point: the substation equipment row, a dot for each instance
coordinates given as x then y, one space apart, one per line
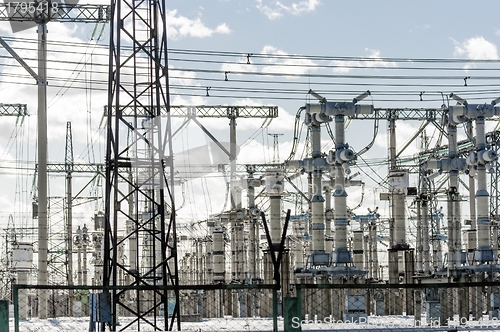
331 245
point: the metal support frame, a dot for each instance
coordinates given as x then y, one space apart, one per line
138 40
68 160
493 139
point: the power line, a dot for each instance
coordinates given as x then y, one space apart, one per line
347 66
254 55
336 76
299 91
265 70
321 83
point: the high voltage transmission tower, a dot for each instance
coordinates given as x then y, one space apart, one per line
276 149
68 161
139 173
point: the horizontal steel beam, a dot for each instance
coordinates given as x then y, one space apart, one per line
13 110
217 111
76 168
419 114
99 168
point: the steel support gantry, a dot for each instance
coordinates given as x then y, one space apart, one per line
19 110
202 111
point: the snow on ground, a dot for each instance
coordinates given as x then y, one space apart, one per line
372 324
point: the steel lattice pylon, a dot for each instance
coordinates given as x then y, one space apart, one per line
493 139
140 239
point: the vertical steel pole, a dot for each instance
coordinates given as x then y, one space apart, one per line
275 309
42 169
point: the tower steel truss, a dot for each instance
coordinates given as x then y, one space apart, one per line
140 240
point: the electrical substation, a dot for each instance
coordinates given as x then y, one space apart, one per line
299 239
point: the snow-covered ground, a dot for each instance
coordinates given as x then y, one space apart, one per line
70 324
372 324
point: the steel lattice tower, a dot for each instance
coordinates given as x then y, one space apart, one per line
493 139
140 239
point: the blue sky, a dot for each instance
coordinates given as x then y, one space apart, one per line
369 33
423 29
373 35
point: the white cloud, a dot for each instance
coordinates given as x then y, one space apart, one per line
241 66
373 60
284 123
278 62
476 48
181 26
300 7
285 63
404 131
277 9
271 13
223 29
191 100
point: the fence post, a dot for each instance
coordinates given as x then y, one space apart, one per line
15 298
292 314
275 309
4 315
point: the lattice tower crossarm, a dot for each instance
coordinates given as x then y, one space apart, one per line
99 168
405 114
13 110
200 111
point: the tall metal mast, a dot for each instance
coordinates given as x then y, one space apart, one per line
138 42
276 151
68 161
